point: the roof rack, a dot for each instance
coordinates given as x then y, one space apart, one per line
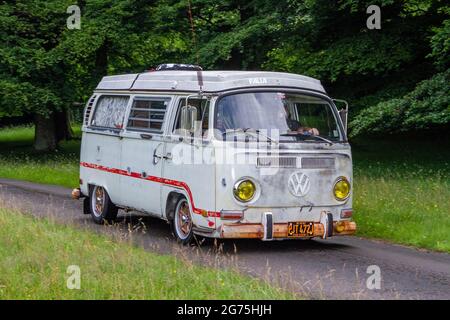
178 67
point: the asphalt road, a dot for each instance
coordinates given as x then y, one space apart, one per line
334 268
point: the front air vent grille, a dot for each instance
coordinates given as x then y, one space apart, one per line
277 162
318 163
291 162
88 110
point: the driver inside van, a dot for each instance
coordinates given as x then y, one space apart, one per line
295 126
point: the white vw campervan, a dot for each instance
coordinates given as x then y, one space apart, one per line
224 154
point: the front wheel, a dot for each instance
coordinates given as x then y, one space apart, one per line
101 207
182 225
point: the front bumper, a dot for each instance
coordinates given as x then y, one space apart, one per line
280 230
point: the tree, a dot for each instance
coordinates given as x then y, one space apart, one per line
370 68
45 67
31 72
426 107
237 34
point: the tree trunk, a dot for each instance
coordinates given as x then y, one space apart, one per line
62 126
236 61
51 129
44 133
101 59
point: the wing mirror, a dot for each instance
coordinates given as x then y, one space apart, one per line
343 112
188 118
190 125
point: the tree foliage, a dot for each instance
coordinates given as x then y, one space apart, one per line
426 107
395 78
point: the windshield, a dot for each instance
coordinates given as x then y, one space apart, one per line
283 116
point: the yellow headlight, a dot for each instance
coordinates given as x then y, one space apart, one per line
244 190
341 189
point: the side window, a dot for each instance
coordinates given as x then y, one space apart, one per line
148 114
202 113
110 112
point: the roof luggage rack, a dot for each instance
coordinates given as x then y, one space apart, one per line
178 67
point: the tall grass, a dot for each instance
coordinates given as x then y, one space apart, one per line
35 255
402 191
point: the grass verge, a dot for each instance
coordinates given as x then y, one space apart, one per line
402 192
35 254
18 160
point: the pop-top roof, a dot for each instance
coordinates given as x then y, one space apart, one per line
213 81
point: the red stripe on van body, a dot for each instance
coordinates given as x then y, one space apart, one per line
170 182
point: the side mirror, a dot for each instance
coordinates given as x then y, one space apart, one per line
343 113
189 124
188 118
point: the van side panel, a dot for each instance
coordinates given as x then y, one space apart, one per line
195 182
100 150
142 192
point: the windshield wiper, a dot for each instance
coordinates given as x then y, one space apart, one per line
246 131
259 133
307 136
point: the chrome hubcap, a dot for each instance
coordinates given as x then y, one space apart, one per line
98 201
183 221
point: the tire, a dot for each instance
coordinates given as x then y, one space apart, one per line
101 208
182 224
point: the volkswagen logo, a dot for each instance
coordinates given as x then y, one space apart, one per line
299 184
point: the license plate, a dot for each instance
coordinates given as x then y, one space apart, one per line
300 229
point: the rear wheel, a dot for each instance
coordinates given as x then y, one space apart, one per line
182 225
101 207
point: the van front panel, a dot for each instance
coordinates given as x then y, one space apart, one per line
274 193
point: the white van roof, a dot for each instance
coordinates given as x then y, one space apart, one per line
213 81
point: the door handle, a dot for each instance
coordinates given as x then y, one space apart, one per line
155 157
168 156
146 136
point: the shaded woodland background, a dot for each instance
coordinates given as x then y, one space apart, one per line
396 79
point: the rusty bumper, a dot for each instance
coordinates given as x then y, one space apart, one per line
280 230
76 193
